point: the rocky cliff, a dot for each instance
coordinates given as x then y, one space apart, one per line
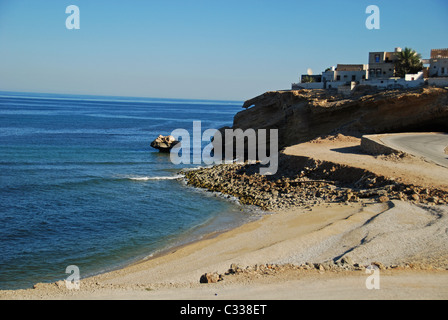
303 115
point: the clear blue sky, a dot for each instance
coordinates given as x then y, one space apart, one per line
230 50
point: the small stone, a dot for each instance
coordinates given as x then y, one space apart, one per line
358 266
210 278
348 196
379 265
347 261
234 268
39 285
320 267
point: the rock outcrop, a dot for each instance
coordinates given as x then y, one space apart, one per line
304 182
164 143
303 115
343 264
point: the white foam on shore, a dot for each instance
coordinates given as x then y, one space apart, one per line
156 178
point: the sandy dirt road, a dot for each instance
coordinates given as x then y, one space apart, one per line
428 146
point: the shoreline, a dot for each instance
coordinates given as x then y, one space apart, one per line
287 250
304 244
183 240
179 241
191 241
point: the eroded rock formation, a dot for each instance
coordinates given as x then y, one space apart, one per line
303 115
164 143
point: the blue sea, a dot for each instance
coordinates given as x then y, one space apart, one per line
80 184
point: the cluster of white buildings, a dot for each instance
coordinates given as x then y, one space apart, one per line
379 73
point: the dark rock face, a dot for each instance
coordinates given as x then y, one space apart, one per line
164 143
303 115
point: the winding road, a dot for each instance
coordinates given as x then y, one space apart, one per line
430 146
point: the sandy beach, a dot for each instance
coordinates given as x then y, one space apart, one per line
313 252
393 234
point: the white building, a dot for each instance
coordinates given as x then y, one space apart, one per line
413 77
344 74
378 73
382 64
438 64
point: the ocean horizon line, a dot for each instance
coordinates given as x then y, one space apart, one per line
92 97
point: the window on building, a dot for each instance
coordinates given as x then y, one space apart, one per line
377 58
338 78
378 72
443 70
353 78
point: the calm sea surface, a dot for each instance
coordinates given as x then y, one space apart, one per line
80 184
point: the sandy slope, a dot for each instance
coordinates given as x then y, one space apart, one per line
391 233
347 151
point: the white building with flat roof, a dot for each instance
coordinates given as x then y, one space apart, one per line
346 73
438 64
382 64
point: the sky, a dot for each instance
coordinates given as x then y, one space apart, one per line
196 49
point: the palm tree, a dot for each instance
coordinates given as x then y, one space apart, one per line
308 79
408 62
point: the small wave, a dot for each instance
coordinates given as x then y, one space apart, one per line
156 178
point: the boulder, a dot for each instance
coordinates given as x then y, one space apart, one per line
164 143
210 278
345 261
